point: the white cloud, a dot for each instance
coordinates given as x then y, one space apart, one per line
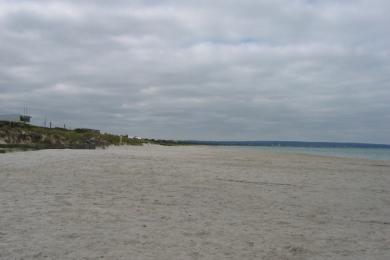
307 70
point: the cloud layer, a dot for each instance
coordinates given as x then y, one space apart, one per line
239 70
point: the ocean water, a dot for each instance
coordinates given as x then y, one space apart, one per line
367 153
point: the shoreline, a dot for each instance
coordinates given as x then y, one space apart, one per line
357 153
306 151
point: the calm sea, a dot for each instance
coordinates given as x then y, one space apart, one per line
367 153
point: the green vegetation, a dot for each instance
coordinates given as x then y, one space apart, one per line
26 137
162 142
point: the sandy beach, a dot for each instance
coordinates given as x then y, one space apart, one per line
156 202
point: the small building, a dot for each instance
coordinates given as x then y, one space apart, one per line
15 118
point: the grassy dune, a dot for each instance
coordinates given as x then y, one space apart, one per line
24 136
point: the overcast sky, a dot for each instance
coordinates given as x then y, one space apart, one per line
315 70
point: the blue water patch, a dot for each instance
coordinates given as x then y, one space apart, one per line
353 150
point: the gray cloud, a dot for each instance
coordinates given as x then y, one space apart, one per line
243 70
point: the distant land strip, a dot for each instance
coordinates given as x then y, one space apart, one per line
289 144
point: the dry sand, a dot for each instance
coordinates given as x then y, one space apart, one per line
156 202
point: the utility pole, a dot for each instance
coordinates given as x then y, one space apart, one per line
25 110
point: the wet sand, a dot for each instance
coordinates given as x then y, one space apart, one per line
157 202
